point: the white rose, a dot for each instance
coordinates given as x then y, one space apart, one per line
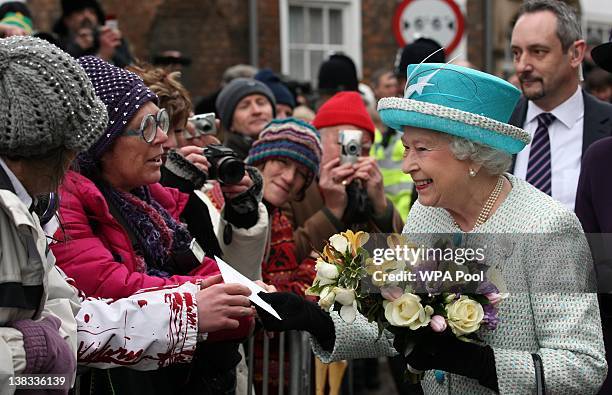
326 272
407 310
464 315
327 298
339 242
344 296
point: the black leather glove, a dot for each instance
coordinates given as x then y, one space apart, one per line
443 351
300 314
243 210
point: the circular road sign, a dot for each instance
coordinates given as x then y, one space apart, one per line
440 20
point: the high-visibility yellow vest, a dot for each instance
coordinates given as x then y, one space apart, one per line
398 185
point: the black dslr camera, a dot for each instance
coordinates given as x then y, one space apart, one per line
225 165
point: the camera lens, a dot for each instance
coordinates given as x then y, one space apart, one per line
231 170
206 126
352 148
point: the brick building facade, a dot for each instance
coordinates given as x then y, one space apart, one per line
215 33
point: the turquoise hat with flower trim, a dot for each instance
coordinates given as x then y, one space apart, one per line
460 101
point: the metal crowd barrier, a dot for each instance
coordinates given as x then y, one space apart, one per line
300 362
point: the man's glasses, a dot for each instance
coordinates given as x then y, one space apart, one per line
149 125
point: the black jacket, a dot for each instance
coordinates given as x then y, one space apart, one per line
597 119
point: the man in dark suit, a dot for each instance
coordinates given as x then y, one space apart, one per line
562 119
594 211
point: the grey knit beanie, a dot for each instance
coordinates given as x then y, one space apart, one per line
233 92
46 100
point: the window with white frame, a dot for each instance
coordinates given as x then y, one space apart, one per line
598 30
312 30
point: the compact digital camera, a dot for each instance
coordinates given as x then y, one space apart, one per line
350 141
225 165
204 123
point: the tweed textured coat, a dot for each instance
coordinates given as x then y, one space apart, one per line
546 267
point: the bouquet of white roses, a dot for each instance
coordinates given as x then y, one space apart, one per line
404 296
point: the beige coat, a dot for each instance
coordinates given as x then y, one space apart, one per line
141 328
23 260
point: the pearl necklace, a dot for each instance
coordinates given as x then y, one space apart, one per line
488 206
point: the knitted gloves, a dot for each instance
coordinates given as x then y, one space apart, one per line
46 350
180 173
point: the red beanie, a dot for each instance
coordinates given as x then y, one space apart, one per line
344 108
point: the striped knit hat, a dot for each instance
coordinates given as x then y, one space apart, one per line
288 138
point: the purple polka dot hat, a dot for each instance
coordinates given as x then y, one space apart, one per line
121 91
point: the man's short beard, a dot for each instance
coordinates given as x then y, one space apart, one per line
534 96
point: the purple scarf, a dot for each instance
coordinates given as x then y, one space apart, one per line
159 237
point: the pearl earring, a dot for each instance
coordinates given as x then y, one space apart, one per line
472 173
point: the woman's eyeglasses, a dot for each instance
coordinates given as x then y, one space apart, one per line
149 125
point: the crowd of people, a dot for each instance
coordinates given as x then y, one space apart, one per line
117 191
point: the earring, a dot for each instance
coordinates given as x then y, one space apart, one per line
472 173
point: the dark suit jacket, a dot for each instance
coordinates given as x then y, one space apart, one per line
597 119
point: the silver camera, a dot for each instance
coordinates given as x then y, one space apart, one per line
204 123
350 141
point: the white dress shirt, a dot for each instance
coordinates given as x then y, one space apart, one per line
565 134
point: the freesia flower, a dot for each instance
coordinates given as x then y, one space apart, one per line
438 323
490 316
330 255
486 287
494 298
339 242
327 298
391 293
355 240
399 240
344 296
326 272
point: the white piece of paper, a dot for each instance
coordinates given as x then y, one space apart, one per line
233 276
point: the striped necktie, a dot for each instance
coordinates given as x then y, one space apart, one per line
539 166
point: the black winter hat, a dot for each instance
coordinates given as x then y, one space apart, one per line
338 73
602 55
71 6
416 52
282 94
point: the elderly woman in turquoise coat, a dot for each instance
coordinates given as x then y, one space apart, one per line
458 148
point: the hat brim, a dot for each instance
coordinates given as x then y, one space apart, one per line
398 112
602 56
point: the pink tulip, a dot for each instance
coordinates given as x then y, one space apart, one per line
438 323
494 298
391 293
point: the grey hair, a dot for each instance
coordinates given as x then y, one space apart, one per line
238 71
494 161
378 75
568 26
